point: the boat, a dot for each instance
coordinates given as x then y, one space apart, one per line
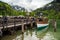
42 26
42 23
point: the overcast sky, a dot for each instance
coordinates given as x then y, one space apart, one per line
28 4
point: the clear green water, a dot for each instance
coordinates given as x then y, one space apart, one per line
32 34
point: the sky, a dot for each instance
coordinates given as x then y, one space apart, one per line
28 4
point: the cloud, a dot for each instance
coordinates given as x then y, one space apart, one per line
28 4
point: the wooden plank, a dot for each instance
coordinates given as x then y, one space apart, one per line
13 25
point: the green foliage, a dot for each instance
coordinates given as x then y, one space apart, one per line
52 12
32 13
6 9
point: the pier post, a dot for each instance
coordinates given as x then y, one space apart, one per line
15 23
0 32
54 24
22 26
55 27
31 23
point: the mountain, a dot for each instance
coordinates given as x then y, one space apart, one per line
53 5
16 7
51 10
56 1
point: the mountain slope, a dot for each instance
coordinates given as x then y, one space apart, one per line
16 7
6 9
51 10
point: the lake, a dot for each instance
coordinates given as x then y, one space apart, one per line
31 34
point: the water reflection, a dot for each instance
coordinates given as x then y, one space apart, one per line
35 35
49 36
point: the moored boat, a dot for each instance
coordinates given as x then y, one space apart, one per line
42 23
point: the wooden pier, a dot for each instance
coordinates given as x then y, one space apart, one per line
13 23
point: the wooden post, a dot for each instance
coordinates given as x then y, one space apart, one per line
54 24
0 32
55 27
31 22
14 22
22 26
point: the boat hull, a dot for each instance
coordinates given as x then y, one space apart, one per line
41 26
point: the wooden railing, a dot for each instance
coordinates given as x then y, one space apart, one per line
13 21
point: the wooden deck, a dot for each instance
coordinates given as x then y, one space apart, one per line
9 26
13 22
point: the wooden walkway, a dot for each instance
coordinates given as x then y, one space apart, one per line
14 22
9 26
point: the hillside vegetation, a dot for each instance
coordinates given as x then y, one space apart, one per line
6 9
51 10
